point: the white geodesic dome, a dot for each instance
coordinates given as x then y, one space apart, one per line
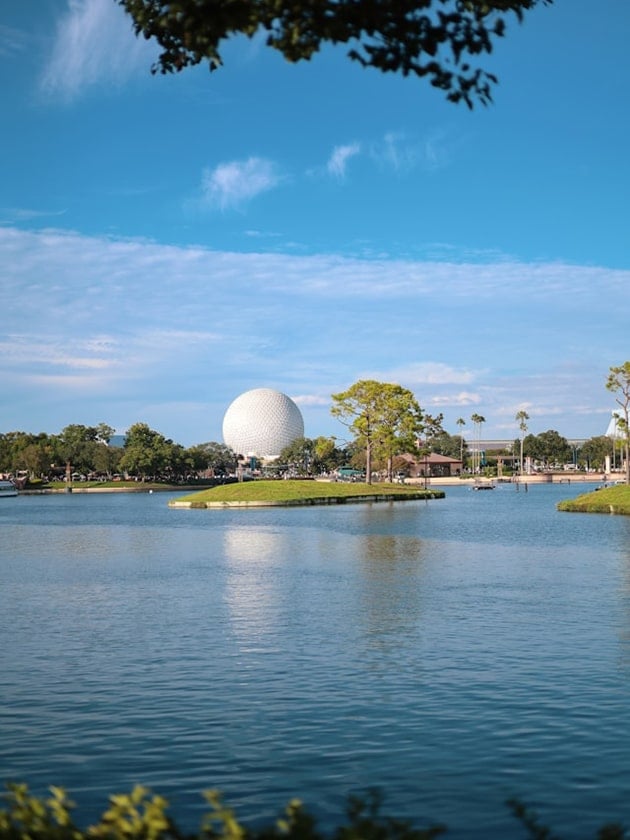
261 423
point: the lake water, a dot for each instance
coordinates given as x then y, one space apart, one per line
452 653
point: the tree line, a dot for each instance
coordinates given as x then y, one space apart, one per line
86 451
384 421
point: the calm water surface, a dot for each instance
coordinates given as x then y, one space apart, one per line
452 653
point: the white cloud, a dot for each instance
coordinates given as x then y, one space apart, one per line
462 398
311 399
19 350
338 161
432 373
131 321
94 45
402 154
234 183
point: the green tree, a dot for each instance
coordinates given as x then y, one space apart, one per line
326 455
548 447
104 433
435 39
76 447
147 452
594 451
22 451
444 444
36 458
385 419
298 455
521 418
359 408
402 423
212 456
619 383
107 458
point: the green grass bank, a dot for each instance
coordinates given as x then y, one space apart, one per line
299 492
607 500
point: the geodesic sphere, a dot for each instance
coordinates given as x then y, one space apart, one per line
261 423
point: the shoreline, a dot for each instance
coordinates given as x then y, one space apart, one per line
311 501
428 483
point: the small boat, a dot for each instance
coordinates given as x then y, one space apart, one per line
483 485
7 488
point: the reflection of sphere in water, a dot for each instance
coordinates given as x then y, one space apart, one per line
261 423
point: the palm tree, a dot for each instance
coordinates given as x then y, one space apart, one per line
478 421
522 417
461 423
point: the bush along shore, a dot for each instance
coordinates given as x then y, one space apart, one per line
142 815
605 500
287 493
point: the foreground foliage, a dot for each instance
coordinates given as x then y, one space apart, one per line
301 490
142 815
607 500
435 39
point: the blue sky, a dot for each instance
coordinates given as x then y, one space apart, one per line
167 243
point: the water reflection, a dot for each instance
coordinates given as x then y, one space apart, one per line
624 560
250 591
392 586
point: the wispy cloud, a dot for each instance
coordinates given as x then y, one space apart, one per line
461 398
396 152
234 183
401 153
338 161
434 373
94 45
311 400
12 41
10 215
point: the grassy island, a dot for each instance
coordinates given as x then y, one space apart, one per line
607 500
300 492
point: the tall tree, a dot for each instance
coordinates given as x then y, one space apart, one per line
212 456
146 452
477 420
76 444
359 408
403 422
383 418
435 39
521 418
619 383
461 423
